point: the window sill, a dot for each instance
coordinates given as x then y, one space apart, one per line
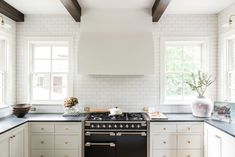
4 106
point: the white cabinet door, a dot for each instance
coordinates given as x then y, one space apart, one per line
214 144
4 147
228 146
17 144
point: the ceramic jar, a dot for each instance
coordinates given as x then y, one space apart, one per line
202 106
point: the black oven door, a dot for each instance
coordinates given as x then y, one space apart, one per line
131 144
100 144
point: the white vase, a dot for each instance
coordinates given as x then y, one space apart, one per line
202 106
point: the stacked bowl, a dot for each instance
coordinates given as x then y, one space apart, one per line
20 110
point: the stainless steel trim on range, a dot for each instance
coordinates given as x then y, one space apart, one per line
131 133
88 133
88 144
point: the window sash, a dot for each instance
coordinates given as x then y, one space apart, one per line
184 98
50 73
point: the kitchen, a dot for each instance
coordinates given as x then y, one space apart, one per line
54 49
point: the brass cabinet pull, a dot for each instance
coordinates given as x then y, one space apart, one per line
217 136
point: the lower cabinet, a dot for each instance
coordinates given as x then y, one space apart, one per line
14 143
176 139
56 139
218 143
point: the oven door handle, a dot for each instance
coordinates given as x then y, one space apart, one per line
88 144
88 133
131 133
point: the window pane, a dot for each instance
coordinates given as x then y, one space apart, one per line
2 55
1 96
1 80
40 87
60 65
42 65
59 93
59 80
192 58
173 58
173 86
188 93
42 52
59 52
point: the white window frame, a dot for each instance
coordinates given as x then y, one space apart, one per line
226 67
4 72
204 61
30 41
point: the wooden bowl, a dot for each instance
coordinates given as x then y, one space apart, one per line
20 110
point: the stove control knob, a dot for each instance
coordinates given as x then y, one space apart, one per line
115 126
132 126
104 126
98 126
127 126
121 126
109 126
138 126
92 126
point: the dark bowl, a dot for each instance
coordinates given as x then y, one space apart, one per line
20 110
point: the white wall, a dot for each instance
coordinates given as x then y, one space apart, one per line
130 93
10 35
222 34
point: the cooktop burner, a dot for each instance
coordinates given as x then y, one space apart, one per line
123 117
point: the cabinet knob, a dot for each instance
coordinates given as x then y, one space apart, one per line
217 136
66 142
66 156
164 128
66 129
188 156
164 142
164 156
41 156
189 129
188 142
42 142
42 129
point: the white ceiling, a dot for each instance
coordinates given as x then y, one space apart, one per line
175 7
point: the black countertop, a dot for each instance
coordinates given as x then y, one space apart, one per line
10 122
179 117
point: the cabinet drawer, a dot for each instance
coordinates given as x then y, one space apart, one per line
42 142
42 153
189 141
164 153
189 153
189 128
162 128
68 128
42 128
66 153
164 141
67 142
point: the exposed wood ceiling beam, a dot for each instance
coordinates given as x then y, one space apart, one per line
158 9
11 12
73 8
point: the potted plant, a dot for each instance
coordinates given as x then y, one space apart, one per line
70 105
201 105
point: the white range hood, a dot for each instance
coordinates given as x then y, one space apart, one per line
116 42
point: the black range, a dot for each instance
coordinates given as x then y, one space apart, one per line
122 135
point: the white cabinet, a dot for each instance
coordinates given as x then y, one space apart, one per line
176 139
56 139
218 143
15 142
